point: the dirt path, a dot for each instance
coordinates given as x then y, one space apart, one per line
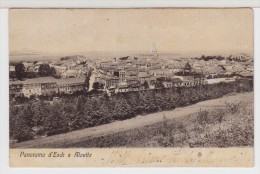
136 122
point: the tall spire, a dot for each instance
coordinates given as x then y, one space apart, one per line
154 50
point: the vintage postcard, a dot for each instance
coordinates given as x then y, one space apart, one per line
131 87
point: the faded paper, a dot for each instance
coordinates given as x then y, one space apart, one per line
47 35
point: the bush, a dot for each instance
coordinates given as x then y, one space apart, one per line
233 107
203 117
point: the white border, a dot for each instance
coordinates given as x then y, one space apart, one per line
4 125
126 3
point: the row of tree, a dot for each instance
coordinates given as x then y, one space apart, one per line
230 58
38 117
21 72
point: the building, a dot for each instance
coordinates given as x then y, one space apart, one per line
60 69
177 82
70 85
15 89
46 86
167 84
135 87
199 80
132 80
122 77
143 76
33 69
11 68
247 75
109 81
187 80
38 86
122 88
74 73
31 88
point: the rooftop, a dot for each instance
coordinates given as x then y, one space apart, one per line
142 74
42 80
70 81
35 80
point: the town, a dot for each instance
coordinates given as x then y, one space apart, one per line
137 72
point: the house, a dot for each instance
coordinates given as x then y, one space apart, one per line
153 69
247 75
135 86
27 64
110 90
187 80
60 69
143 76
159 72
122 77
15 89
199 80
141 62
105 64
97 76
152 82
167 84
11 68
122 88
70 74
132 80
213 71
34 68
109 81
131 71
142 69
177 82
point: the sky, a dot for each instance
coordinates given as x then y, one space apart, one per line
57 31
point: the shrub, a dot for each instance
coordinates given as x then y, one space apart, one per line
233 107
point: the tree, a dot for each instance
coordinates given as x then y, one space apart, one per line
97 85
22 124
45 70
88 75
53 71
20 71
159 85
146 85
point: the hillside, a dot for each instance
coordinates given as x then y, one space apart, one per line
100 136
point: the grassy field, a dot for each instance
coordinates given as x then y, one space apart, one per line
224 122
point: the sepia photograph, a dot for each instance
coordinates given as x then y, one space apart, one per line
159 79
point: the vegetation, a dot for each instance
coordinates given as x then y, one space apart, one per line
87 79
97 85
82 111
203 129
230 58
20 71
46 70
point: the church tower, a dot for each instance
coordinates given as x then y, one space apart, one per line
154 51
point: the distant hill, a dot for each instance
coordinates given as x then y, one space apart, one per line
28 55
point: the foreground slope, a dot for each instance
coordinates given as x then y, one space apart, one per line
86 137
